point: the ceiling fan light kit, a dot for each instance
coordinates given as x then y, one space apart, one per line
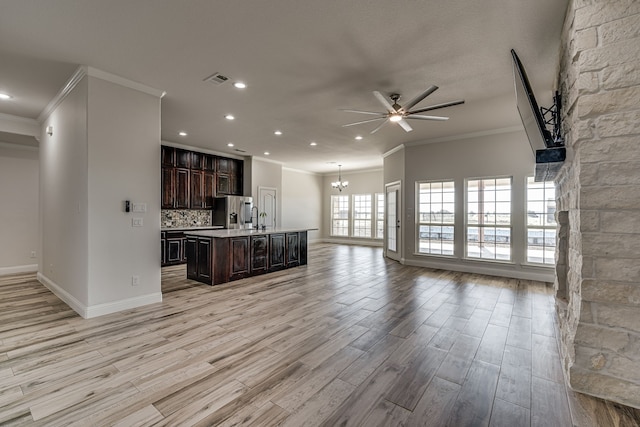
397 113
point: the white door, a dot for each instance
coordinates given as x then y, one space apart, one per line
393 234
267 206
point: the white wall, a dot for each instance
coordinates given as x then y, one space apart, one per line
105 149
364 182
302 201
19 209
63 199
266 174
505 154
124 164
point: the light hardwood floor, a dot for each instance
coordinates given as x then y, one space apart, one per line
350 339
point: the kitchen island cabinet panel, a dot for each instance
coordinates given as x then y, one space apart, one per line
235 254
239 262
276 252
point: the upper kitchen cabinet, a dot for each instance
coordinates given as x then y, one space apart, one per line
190 180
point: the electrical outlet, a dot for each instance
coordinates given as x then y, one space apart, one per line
33 254
135 280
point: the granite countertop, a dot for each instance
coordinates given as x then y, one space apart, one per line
195 227
225 233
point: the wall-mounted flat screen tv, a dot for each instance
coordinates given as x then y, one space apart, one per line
539 137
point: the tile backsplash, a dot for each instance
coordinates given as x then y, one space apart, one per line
179 218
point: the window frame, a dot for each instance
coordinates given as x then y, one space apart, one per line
495 225
544 228
352 222
348 219
419 223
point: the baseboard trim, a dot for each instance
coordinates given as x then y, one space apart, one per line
540 276
18 269
97 310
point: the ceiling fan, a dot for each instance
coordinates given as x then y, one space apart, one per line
397 113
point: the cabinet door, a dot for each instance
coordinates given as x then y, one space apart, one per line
223 185
259 254
204 259
168 156
222 165
239 253
182 188
292 250
183 158
209 189
168 187
276 252
197 190
191 251
174 251
235 175
197 160
303 247
209 163
162 259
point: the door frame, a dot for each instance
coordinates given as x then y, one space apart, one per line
397 187
262 192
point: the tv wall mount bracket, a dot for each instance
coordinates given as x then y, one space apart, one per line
551 117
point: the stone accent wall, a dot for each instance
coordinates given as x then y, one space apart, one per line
598 190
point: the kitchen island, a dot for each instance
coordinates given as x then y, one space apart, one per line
221 256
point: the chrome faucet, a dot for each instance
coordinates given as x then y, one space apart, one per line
256 208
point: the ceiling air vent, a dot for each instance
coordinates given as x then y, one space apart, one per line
216 79
239 150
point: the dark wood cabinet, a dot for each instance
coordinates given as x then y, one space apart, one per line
292 251
239 257
173 247
190 180
183 158
259 255
162 244
224 259
168 156
276 252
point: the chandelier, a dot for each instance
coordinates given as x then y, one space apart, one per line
340 184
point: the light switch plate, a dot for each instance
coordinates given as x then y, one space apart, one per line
137 222
139 207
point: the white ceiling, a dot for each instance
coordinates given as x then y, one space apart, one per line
302 61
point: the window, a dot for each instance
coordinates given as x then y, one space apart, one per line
379 215
541 222
362 221
436 215
339 215
489 219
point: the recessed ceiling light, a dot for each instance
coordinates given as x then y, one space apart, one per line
313 144
229 117
5 96
266 153
182 133
358 137
230 144
277 132
239 85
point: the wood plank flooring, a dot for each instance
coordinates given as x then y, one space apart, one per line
349 339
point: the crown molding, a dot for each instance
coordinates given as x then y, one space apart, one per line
200 149
284 168
14 146
393 150
470 135
83 71
263 159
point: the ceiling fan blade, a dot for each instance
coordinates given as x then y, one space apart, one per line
420 97
435 107
404 125
378 128
419 117
361 112
383 101
363 121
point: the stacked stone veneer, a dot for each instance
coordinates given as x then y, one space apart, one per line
598 259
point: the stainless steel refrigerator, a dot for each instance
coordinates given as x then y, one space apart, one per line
232 212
